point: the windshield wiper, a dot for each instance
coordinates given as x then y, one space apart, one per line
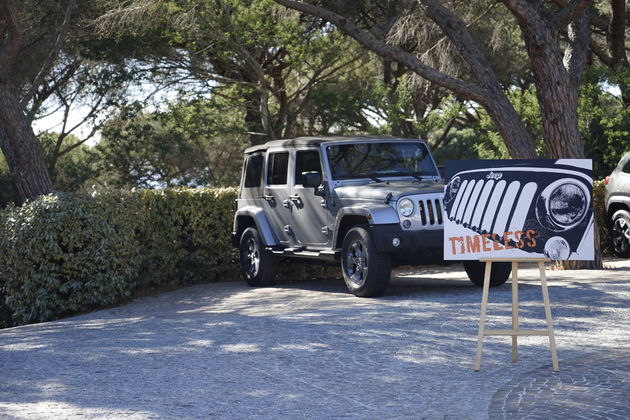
371 176
409 173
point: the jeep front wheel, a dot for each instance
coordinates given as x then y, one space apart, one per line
258 265
620 233
476 271
366 271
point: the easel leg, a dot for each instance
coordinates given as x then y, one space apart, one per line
552 336
515 323
482 318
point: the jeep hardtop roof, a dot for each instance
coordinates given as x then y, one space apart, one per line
316 141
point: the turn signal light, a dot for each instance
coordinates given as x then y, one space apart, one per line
606 180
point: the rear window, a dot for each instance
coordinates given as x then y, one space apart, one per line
277 168
253 171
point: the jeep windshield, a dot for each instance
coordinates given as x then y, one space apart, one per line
376 160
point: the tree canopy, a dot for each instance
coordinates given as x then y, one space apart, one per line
476 79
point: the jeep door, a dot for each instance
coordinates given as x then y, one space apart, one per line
276 193
310 217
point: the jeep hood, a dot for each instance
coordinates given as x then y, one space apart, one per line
380 190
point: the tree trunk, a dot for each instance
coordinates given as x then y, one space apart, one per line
557 92
21 149
557 81
558 111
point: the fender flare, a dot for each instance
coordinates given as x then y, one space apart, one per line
262 224
375 215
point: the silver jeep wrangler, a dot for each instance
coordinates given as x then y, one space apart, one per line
370 203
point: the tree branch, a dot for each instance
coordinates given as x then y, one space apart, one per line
576 53
461 87
457 31
569 12
52 56
617 32
526 10
11 45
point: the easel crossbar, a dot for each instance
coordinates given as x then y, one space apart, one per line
516 332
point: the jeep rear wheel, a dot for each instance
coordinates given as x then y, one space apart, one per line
366 271
620 233
258 265
476 271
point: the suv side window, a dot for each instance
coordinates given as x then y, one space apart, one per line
626 169
253 171
306 161
277 168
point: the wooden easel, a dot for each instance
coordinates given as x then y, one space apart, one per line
515 331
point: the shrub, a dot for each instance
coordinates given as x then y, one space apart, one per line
186 236
601 220
72 252
66 253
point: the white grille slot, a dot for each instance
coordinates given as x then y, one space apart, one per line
488 217
458 199
506 208
472 202
483 200
524 202
464 202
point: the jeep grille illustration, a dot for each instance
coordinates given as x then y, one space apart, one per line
545 210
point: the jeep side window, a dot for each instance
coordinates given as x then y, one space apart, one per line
306 161
253 170
277 168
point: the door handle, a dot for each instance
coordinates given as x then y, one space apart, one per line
295 198
269 197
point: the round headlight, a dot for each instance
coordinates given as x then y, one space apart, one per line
567 204
405 207
563 204
557 248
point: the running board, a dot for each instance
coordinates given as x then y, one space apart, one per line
301 253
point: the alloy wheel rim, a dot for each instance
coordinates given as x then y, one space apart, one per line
252 257
356 263
621 234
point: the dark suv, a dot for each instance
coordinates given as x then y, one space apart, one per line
618 206
368 203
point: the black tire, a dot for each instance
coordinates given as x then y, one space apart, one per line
476 271
366 271
258 265
620 233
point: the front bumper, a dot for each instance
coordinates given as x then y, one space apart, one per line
416 246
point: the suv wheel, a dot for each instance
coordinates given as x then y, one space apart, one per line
620 233
258 265
476 271
365 270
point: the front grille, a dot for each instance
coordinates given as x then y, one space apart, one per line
489 206
430 212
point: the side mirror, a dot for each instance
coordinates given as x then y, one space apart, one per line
312 179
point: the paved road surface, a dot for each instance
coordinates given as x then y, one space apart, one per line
310 350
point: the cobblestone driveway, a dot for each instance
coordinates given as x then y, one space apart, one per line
311 350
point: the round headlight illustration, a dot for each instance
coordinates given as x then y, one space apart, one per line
557 248
567 204
405 207
563 204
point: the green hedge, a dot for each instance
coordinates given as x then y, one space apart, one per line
67 253
186 236
601 218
